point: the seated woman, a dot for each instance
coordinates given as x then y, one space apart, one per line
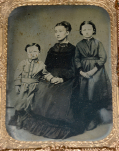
51 110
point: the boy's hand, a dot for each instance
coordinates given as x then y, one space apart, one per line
17 89
84 74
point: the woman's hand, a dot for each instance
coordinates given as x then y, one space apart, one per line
60 80
17 89
84 74
56 80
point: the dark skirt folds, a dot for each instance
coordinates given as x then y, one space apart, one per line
52 115
96 90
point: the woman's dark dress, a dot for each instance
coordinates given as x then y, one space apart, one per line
53 115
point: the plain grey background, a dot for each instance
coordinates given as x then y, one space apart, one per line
35 24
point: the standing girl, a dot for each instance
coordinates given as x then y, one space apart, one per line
95 88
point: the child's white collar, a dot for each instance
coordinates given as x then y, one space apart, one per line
35 60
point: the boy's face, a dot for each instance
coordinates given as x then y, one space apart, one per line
61 33
32 52
87 30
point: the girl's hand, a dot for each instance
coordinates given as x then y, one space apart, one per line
84 74
92 72
17 89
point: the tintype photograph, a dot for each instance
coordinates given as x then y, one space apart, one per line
59 76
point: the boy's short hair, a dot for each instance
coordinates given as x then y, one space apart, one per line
33 44
66 24
90 23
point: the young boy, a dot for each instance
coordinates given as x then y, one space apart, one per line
27 76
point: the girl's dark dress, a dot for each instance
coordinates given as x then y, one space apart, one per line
53 115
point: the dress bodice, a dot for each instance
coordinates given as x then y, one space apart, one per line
89 54
60 56
60 60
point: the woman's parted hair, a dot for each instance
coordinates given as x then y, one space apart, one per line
33 44
66 24
90 23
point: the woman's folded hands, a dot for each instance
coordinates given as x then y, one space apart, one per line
56 80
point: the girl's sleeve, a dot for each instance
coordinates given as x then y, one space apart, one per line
77 59
18 73
102 56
